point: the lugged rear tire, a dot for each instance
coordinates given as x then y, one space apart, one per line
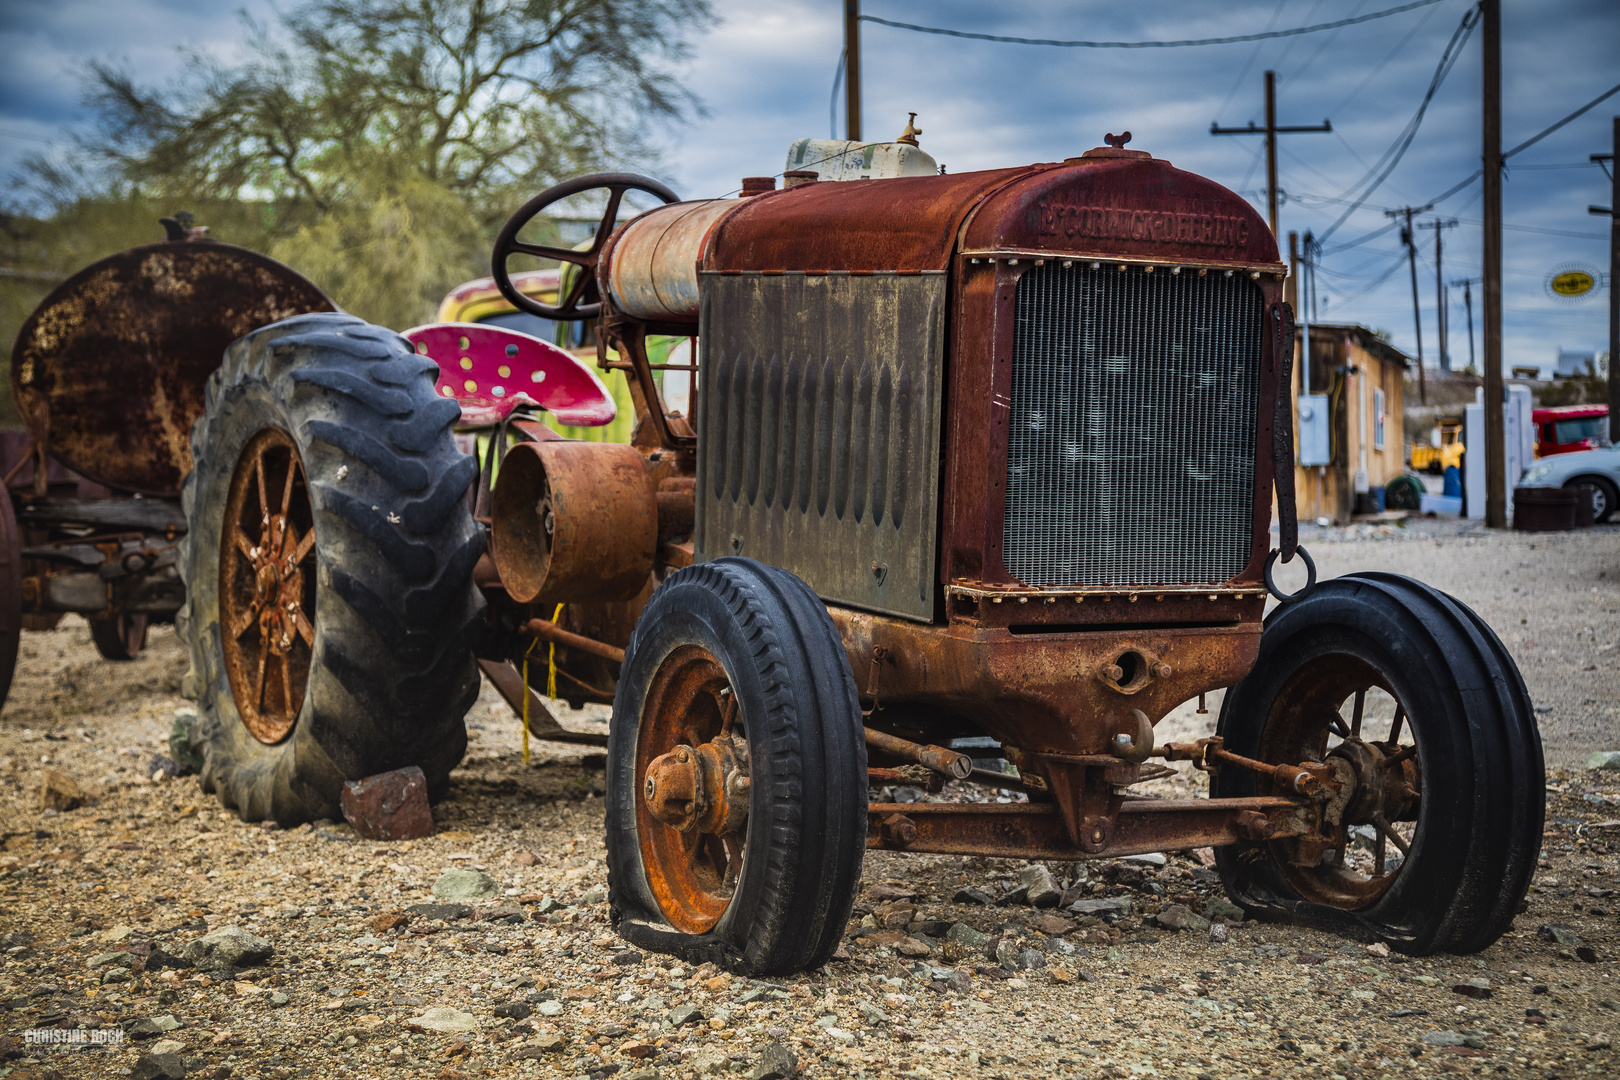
391 671
762 637
1477 832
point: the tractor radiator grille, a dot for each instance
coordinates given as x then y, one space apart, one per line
1130 459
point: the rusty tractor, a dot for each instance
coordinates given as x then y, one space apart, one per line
985 456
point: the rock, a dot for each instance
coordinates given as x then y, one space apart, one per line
115 935
278 999
389 920
168 1046
180 734
910 946
227 947
1043 891
681 1015
513 1010
445 1021
1180 917
1150 858
1443 1038
1379 949
1561 935
627 958
647 1072
1006 954
596 894
116 975
1218 934
1599 1042
158 1067
1019 894
116 959
1473 988
927 928
1029 959
389 806
872 1014
1219 907
973 896
151 1027
1053 925
165 767
525 858
465 885
1114 905
547 905
549 1008
59 791
1604 759
965 935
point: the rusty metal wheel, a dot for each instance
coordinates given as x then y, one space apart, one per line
267 584
119 637
11 616
736 787
1420 711
330 609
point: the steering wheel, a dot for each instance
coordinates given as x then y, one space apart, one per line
582 300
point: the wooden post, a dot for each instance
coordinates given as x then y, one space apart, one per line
1495 465
852 70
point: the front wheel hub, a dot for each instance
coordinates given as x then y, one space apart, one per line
702 788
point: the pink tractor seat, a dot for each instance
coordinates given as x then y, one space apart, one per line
490 371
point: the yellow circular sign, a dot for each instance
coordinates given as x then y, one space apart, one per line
1573 283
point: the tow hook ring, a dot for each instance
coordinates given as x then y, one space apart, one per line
1310 580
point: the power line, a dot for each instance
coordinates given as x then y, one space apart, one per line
1385 59
1254 54
1264 35
1398 149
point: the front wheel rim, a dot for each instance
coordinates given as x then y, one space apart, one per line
267 585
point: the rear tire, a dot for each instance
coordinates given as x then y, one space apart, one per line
1476 828
778 901
364 462
11 613
1605 502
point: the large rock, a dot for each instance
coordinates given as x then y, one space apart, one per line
1604 759
965 935
775 1062
227 947
59 791
1043 891
158 1067
444 1021
180 738
465 885
1108 905
1181 917
389 806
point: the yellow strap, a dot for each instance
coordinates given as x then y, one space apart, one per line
551 675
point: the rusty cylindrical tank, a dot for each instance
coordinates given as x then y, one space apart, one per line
574 522
650 268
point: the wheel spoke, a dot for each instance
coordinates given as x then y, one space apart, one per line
728 714
1378 856
305 630
1395 724
287 490
1399 756
245 621
542 251
575 289
305 545
1355 719
604 228
1336 725
258 683
734 855
264 489
1386 829
243 544
286 683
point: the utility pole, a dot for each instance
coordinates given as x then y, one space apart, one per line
1495 463
1411 262
852 70
1468 308
1441 315
1270 131
1613 210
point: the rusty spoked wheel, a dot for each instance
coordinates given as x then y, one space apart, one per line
119 637
736 786
267 585
1337 709
692 760
1415 704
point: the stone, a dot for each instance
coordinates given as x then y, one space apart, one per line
513 1010
59 791
164 766
439 912
872 1014
646 1072
158 1067
180 734
151 1027
115 935
912 947
1043 891
465 885
1473 988
1181 917
1604 759
278 999
973 896
116 975
116 959
227 947
1219 907
1108 905
1006 954
627 958
1149 858
596 894
1379 949
168 1046
445 1021
1599 1042
389 806
1218 934
1560 935
965 935
1029 959
681 1015
158 959
549 1008
1019 894
388 921
1053 925
1443 1038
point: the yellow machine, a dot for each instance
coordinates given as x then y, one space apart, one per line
1444 450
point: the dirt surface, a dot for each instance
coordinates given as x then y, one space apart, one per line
542 987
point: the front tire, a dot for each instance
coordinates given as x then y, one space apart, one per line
330 609
737 662
1605 498
1451 735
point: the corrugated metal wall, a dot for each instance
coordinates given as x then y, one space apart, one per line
819 430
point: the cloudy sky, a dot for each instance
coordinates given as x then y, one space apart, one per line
765 74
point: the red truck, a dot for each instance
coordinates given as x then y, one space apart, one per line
1564 429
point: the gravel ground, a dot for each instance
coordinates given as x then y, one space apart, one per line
531 981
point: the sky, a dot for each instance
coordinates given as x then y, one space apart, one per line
765 76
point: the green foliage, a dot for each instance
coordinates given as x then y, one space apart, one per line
1589 388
